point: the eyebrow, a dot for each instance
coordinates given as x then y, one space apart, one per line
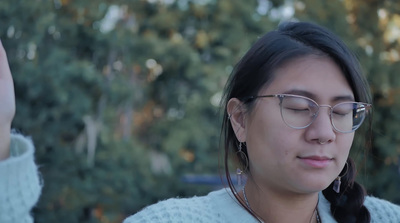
314 96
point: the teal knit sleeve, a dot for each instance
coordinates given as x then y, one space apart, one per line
20 184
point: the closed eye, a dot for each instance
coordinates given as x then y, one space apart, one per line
341 113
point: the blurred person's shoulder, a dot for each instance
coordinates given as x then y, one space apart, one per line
217 206
382 210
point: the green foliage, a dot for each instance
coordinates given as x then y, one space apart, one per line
144 91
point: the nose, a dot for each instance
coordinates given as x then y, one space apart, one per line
321 130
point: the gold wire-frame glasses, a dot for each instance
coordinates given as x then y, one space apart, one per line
299 112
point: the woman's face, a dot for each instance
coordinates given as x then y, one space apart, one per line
287 159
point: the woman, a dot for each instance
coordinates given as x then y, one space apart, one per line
291 106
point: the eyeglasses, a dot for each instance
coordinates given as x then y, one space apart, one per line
299 112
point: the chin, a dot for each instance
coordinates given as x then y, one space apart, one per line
316 187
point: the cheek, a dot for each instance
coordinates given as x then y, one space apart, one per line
286 145
347 141
268 137
275 143
344 143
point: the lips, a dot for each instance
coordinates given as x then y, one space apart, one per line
316 161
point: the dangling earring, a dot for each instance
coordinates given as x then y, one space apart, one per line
239 172
239 176
337 182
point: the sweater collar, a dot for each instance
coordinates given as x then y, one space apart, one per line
226 204
324 209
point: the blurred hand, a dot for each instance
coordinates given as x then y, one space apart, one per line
7 104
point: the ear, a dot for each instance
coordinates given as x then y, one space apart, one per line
236 112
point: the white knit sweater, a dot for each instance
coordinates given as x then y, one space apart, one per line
220 206
20 188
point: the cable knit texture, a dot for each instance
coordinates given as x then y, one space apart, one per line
19 182
220 206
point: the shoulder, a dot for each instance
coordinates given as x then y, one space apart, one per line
217 206
382 210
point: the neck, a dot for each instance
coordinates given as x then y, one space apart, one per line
280 206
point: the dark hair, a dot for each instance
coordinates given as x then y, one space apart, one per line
255 70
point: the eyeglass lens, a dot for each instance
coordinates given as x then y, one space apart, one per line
299 112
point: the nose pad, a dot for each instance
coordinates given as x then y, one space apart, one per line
321 128
326 117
